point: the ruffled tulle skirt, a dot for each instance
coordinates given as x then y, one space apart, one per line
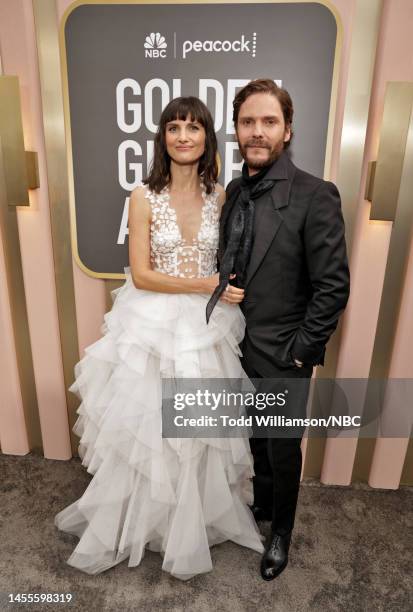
177 496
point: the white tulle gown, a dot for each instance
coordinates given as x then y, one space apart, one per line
174 496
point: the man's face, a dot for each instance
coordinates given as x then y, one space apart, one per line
261 130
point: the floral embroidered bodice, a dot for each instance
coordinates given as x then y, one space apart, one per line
190 257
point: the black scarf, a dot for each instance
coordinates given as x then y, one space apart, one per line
238 249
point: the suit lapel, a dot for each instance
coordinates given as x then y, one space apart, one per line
225 214
268 220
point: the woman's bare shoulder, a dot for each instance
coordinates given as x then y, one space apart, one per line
221 194
138 201
139 193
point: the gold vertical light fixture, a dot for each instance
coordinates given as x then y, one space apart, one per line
20 166
385 182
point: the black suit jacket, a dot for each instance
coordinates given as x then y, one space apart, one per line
298 280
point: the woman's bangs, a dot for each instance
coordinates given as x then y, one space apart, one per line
182 109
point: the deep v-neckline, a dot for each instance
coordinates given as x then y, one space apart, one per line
175 215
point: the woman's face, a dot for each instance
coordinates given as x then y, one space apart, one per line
185 140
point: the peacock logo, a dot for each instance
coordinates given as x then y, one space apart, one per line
155 45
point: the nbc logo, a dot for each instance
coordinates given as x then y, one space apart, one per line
155 45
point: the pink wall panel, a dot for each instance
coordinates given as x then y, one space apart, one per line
369 257
19 56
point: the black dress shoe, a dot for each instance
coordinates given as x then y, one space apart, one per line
275 557
261 514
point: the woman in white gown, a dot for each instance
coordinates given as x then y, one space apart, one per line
174 496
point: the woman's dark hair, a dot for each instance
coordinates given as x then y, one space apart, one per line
266 86
182 108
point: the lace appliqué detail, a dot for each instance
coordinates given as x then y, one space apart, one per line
170 252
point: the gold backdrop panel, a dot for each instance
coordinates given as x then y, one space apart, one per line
15 284
54 133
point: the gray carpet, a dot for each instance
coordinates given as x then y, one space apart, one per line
352 550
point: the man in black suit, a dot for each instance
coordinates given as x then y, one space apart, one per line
282 234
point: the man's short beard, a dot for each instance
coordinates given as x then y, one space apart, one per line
274 155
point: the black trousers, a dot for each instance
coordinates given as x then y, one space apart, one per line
278 460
